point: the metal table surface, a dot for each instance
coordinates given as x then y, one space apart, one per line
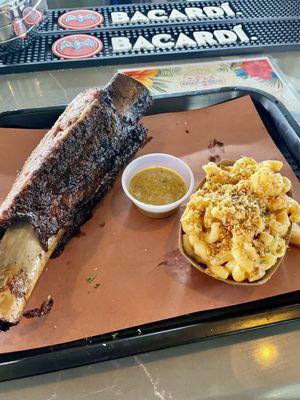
262 364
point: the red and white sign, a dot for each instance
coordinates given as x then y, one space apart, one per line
80 19
77 46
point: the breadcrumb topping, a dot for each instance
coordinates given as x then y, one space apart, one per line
240 216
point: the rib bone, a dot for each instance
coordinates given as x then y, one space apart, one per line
22 262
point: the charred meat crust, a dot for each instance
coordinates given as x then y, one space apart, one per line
44 309
5 325
77 161
85 212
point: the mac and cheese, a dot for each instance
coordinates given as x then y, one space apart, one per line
237 223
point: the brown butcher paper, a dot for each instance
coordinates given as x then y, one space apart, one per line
124 269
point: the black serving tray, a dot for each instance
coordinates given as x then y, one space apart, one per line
187 328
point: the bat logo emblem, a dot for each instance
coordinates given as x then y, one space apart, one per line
81 18
77 44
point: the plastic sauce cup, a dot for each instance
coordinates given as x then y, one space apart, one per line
158 160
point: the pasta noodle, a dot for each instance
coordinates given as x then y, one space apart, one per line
236 223
295 237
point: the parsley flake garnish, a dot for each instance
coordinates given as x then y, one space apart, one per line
90 278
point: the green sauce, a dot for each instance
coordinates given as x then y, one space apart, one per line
157 186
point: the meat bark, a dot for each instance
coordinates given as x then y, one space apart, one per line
77 161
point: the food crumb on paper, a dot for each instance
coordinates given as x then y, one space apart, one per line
216 143
215 147
44 309
147 140
215 158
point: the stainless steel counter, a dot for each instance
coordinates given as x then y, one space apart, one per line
256 365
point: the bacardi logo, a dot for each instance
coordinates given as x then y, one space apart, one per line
198 38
